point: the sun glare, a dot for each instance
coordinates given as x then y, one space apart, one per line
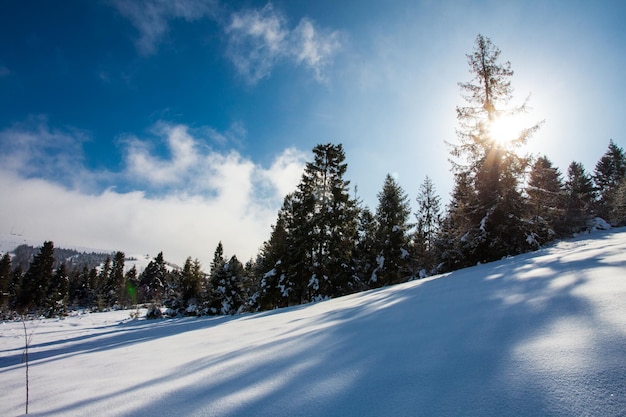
505 129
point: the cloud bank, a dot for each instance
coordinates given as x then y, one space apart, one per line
182 202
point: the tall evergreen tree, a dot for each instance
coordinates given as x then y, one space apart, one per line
618 208
494 226
227 292
114 288
428 225
608 174
579 198
366 248
545 201
154 279
58 292
274 287
190 286
5 280
132 285
323 229
392 237
36 281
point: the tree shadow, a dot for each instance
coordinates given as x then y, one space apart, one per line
522 336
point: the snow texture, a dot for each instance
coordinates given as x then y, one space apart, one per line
539 334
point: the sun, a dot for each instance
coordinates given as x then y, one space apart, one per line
505 130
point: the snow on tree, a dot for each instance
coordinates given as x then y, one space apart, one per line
608 174
545 201
429 219
392 235
486 162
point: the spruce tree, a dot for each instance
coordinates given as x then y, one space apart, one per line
323 229
608 174
579 198
429 219
545 201
366 248
154 279
494 227
36 281
58 292
190 286
392 238
5 280
274 289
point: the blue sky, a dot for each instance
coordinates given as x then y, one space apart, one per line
158 125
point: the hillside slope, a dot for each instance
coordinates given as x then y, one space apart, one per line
539 334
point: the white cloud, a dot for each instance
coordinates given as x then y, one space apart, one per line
260 38
32 148
157 171
313 47
151 17
195 198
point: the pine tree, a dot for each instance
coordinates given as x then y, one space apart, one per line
190 286
132 285
154 280
365 250
5 280
114 288
58 292
429 219
323 229
492 168
226 283
545 201
609 173
36 281
453 248
273 286
579 198
618 209
392 240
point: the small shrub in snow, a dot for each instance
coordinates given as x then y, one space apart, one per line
153 312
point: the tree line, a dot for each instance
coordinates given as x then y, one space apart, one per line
326 243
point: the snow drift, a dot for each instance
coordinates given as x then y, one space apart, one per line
539 334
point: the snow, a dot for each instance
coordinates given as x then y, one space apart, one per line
538 334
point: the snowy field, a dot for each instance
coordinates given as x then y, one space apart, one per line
542 334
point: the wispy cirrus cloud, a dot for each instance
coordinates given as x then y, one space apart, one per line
152 17
258 39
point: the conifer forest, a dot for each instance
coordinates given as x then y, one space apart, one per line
326 243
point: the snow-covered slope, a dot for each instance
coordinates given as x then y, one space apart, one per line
536 335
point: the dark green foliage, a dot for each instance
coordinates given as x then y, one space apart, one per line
154 281
428 226
365 252
190 287
273 290
579 198
36 281
546 200
487 202
392 238
5 280
608 174
323 229
58 292
226 284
